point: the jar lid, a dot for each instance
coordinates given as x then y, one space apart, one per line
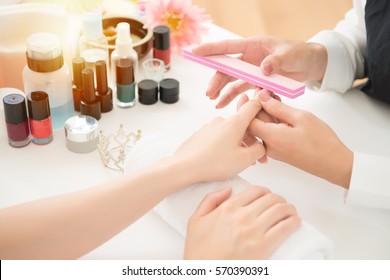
14 108
44 53
169 90
43 46
147 92
81 128
38 105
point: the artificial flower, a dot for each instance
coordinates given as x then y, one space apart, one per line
187 22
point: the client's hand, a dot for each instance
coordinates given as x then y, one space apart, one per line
216 151
249 225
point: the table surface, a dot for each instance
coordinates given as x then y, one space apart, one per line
363 124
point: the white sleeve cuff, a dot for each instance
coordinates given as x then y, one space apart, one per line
340 73
370 181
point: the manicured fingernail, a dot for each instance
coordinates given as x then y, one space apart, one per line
264 96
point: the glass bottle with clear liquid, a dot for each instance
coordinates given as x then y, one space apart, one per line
123 50
46 71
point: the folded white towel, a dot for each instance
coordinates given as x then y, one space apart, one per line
305 243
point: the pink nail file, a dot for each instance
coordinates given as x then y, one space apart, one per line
249 73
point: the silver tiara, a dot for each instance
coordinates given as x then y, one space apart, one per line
114 148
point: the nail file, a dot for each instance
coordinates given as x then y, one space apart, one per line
249 73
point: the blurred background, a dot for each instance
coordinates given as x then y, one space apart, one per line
290 19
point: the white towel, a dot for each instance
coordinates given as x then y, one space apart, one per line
305 243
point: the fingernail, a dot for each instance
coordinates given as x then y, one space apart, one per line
267 68
264 96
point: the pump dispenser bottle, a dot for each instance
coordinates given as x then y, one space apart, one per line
123 50
46 71
93 45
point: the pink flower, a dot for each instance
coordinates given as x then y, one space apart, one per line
186 21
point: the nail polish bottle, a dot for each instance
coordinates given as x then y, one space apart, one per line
104 93
161 45
39 117
16 120
78 64
125 84
90 104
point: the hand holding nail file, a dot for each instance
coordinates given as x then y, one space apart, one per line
248 73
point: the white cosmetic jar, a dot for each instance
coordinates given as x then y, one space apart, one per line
81 133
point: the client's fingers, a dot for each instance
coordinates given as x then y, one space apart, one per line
276 235
217 83
249 195
212 201
232 92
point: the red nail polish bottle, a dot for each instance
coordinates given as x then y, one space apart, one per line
16 120
161 45
39 117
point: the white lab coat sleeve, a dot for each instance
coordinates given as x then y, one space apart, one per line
370 181
346 48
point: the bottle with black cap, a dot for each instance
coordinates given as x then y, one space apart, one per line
162 45
16 120
90 105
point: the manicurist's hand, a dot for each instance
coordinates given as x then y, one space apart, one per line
296 60
216 151
249 225
301 139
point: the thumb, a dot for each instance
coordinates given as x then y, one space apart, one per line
212 201
271 64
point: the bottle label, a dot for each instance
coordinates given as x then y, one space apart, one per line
45 66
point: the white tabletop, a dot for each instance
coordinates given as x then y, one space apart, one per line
363 124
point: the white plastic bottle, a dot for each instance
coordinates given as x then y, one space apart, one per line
46 71
93 45
123 50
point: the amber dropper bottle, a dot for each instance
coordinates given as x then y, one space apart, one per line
104 93
90 104
78 64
